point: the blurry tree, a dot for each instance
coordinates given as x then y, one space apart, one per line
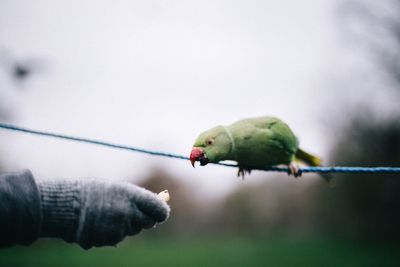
4 115
376 26
364 207
275 206
18 69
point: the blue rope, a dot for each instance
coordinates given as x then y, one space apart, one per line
172 155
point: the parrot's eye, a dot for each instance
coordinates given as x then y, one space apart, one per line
210 142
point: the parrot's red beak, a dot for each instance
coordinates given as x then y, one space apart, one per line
198 154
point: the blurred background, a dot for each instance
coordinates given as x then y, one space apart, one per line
154 74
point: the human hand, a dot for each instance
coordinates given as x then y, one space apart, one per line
97 212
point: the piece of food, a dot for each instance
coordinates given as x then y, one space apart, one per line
164 195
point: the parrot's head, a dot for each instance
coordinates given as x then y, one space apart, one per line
211 146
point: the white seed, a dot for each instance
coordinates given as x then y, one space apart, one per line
164 195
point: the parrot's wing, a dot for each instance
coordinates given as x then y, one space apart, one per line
267 141
281 134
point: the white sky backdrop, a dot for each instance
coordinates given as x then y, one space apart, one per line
155 74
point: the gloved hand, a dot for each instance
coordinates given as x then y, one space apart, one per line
97 212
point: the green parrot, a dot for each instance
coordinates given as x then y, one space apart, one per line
252 143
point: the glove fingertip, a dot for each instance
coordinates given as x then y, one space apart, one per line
156 208
152 205
164 212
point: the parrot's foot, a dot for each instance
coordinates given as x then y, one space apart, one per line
242 172
294 170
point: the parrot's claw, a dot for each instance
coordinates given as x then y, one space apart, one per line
242 172
294 170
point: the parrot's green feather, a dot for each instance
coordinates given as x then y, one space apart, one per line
315 161
308 158
263 141
254 143
251 142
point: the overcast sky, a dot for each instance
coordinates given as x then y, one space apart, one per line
155 74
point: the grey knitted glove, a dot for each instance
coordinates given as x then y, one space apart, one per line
97 212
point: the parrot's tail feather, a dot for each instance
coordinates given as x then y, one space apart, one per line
314 161
308 158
